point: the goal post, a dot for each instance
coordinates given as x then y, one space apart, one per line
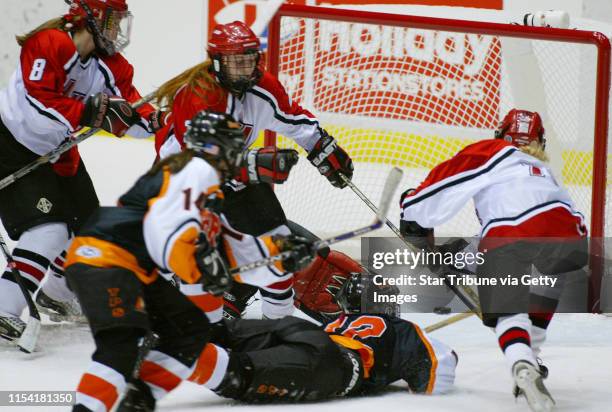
410 91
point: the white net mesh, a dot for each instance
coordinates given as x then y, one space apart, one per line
412 98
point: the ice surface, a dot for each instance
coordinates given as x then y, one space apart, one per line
578 352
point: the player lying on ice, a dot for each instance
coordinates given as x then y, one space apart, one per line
166 220
292 360
527 221
233 80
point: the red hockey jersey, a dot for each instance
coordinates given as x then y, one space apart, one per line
515 194
266 106
43 101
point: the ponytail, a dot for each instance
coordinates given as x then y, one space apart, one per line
198 78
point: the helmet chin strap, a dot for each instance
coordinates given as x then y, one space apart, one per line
103 46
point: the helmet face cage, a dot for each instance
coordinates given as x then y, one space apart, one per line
350 294
238 72
111 28
357 295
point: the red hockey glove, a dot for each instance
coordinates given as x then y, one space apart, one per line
331 160
110 113
68 163
267 165
316 286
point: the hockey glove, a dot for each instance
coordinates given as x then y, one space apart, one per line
157 120
216 278
418 236
331 160
303 251
267 165
110 113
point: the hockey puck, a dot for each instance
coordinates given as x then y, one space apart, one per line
442 310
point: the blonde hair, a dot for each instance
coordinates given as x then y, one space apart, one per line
536 150
59 23
198 78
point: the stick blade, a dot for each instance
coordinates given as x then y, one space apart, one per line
391 184
29 337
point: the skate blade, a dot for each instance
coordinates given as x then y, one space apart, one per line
538 400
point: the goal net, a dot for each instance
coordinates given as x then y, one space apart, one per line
411 91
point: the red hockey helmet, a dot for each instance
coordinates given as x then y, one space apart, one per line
521 127
234 51
109 21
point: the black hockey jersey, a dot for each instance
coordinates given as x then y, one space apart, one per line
394 349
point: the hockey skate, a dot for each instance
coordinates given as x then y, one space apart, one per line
529 383
11 327
138 398
60 311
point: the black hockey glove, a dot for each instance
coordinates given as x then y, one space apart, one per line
110 113
331 160
216 278
418 236
302 251
268 165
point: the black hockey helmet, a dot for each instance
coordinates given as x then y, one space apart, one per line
357 295
217 137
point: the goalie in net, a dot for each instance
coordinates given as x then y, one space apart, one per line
293 360
527 221
233 80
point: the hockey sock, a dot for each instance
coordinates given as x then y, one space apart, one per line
112 365
55 285
513 335
32 255
276 305
210 367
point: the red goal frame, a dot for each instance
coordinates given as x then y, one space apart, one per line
599 40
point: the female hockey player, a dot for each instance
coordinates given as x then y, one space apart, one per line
167 221
233 80
527 221
70 74
293 360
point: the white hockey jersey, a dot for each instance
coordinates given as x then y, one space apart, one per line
266 106
515 194
43 101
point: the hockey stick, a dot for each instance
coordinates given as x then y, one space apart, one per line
465 294
29 336
62 148
27 340
395 175
448 321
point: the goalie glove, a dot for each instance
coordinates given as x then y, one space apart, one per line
267 165
316 285
216 278
110 113
331 160
302 251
